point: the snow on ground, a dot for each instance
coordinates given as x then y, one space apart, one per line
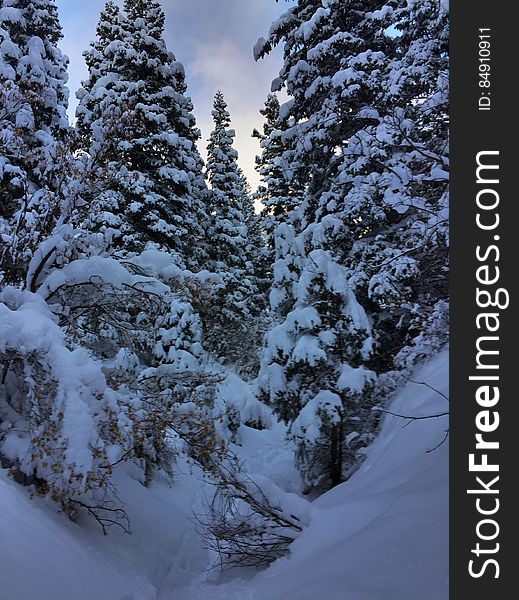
44 556
383 535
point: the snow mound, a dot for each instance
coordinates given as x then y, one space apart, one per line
384 533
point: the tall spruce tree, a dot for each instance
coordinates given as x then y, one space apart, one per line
232 248
350 286
138 123
33 102
277 193
228 231
252 219
108 42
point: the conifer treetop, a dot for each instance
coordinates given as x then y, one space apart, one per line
134 110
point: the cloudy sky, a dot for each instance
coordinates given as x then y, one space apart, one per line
214 40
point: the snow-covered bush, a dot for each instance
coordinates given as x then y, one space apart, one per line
236 404
60 422
313 372
136 316
333 429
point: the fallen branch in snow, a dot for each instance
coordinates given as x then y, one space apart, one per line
242 525
415 418
431 388
445 437
105 516
410 417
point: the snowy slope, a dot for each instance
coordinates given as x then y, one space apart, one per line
44 556
380 536
383 534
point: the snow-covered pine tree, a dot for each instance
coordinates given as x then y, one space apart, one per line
138 121
393 182
251 218
415 180
228 231
277 193
345 316
33 105
231 247
258 253
109 36
323 332
31 58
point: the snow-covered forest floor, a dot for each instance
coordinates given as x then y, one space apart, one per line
380 535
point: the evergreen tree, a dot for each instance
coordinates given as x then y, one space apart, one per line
228 231
251 218
31 58
138 121
414 181
350 278
257 252
33 103
277 194
107 44
232 253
